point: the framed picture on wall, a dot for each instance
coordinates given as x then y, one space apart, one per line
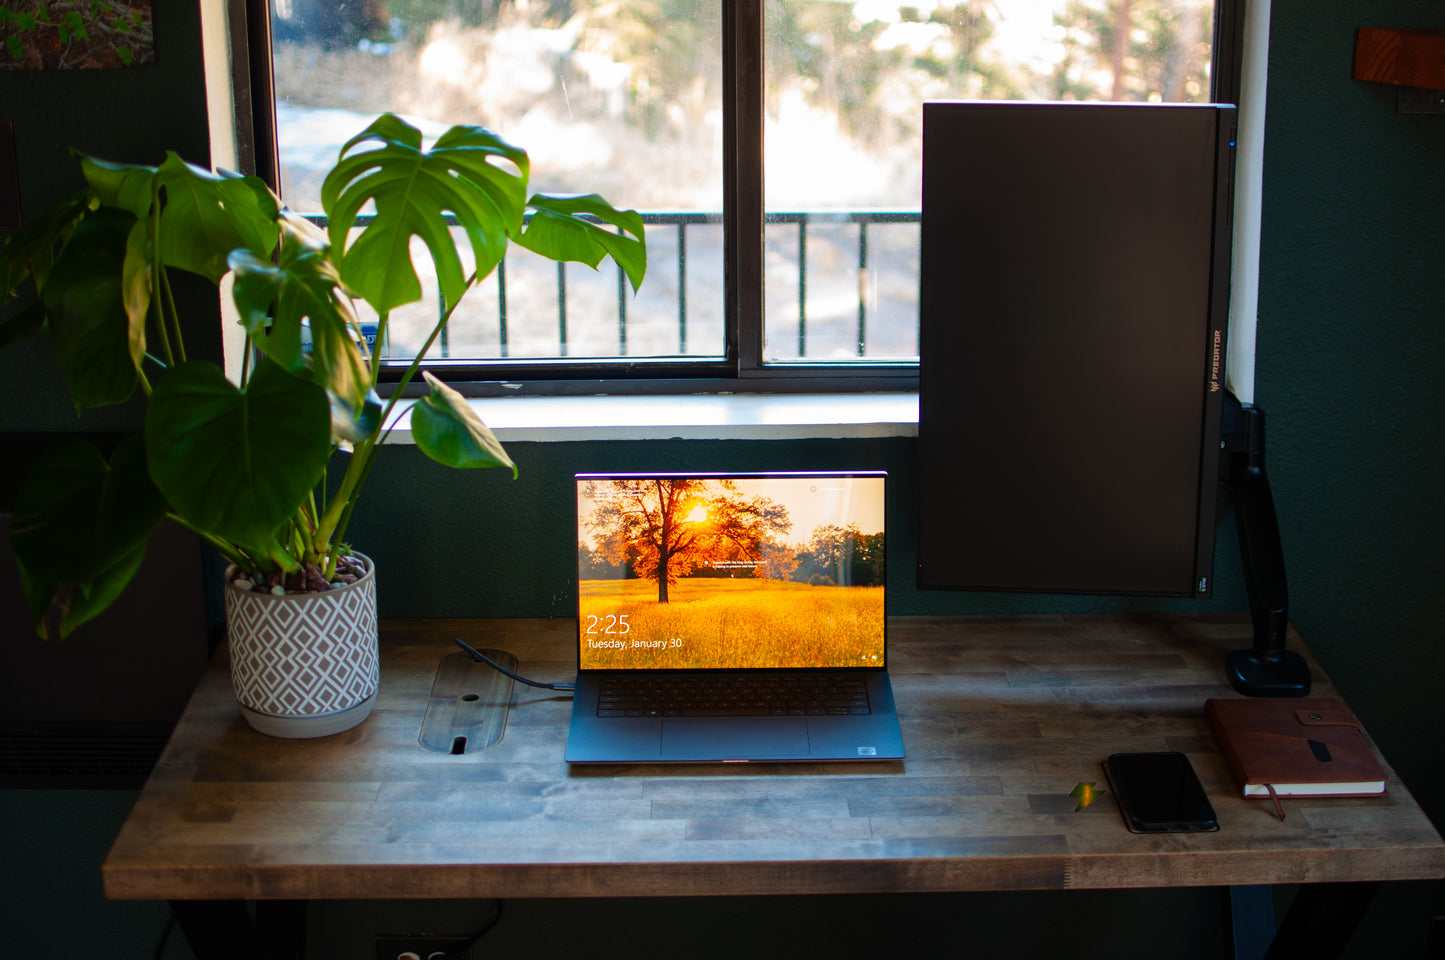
90 35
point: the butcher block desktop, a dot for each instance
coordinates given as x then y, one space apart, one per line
1002 719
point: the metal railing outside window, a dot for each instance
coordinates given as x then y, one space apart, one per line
680 224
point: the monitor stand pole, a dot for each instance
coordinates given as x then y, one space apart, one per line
1267 669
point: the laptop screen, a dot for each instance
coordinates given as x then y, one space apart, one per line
730 571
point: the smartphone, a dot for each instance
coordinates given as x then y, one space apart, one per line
1159 793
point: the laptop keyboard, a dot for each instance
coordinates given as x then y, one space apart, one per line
749 695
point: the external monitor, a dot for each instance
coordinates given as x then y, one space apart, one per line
1074 295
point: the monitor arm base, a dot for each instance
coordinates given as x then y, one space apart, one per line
1285 676
1267 669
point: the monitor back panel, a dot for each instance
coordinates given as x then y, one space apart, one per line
1075 282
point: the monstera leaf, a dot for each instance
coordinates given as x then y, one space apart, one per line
449 431
98 343
237 463
31 249
123 185
208 215
561 229
68 604
204 217
470 172
274 299
80 527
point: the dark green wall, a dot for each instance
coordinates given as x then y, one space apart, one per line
1351 370
132 116
1350 354
1350 361
56 839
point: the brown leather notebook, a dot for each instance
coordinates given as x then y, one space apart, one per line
1291 747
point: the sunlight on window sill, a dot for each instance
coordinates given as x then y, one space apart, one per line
700 417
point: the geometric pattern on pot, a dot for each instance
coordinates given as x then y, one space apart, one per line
307 654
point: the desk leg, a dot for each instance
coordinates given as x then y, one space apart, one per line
1321 920
1251 921
225 929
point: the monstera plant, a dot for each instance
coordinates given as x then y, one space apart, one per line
267 468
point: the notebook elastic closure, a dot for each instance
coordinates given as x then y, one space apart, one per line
1325 718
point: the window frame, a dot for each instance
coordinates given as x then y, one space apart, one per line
742 368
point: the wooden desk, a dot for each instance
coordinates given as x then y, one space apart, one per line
1001 718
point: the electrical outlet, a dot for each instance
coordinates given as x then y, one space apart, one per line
420 947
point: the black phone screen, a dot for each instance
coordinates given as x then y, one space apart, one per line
1159 793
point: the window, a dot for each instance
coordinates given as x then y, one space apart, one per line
771 145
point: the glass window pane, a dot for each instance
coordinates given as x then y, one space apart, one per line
617 97
844 84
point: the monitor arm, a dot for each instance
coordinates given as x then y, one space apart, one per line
1267 669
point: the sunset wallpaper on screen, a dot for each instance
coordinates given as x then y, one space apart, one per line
686 572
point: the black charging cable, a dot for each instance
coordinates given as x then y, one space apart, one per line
480 657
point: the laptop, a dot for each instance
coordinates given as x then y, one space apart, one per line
731 617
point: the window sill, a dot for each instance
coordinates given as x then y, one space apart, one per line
693 417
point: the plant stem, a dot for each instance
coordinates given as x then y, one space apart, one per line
306 528
157 274
411 370
350 483
246 363
338 513
383 319
169 359
175 315
298 541
344 519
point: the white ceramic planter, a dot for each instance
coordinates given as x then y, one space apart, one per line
305 664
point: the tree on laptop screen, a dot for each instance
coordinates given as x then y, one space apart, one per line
686 572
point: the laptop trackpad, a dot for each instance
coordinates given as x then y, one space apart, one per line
734 737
